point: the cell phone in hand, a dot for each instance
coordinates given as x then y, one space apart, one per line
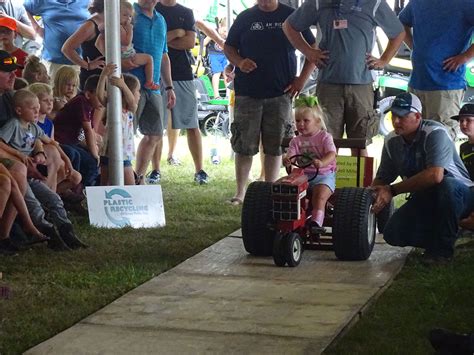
43 169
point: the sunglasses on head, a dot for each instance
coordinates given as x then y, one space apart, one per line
402 103
9 60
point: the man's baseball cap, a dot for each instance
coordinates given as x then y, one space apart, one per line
8 62
8 23
405 103
466 110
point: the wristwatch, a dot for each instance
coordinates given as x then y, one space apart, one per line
169 88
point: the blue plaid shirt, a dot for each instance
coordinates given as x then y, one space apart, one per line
149 36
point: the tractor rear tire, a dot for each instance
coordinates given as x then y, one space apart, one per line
354 224
256 219
384 215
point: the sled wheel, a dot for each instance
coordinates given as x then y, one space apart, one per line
354 224
256 218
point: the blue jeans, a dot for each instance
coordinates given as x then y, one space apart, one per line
429 219
88 166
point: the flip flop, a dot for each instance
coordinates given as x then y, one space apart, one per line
235 201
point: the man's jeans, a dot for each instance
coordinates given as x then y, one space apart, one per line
429 219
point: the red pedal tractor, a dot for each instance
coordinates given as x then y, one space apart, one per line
274 217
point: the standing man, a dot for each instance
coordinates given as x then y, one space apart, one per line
345 83
424 156
60 20
149 36
265 81
23 24
441 45
181 38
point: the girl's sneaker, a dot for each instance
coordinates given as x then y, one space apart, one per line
151 85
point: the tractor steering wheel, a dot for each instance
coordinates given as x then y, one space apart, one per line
302 161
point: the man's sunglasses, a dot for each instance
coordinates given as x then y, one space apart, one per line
402 103
9 60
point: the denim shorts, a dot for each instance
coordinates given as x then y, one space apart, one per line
104 161
328 179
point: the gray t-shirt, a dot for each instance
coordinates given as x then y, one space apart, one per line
347 46
21 138
432 147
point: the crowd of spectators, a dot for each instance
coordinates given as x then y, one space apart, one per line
53 138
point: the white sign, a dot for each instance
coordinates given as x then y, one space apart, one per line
121 206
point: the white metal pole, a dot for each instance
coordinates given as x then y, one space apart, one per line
229 14
114 97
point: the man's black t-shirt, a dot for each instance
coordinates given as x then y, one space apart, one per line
466 151
178 17
6 107
258 35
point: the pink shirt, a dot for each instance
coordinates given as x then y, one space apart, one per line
317 146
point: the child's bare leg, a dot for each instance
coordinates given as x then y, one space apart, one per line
67 183
128 176
104 175
467 223
16 205
216 77
5 188
319 196
146 60
54 163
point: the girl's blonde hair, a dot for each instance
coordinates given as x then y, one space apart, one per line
127 5
316 111
40 89
32 67
63 75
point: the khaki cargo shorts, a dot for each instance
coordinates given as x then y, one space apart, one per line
270 119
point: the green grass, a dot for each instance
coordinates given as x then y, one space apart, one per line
52 291
420 298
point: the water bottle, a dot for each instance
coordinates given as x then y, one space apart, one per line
215 159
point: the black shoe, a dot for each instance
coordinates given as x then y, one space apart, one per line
447 342
55 242
67 234
7 247
17 237
315 228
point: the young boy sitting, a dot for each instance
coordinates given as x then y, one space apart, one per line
25 137
466 151
74 117
67 177
7 38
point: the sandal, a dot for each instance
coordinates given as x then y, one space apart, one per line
235 201
35 239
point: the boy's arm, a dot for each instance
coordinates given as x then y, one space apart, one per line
90 139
